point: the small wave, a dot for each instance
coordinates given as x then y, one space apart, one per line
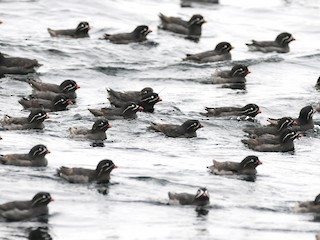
310 56
160 181
112 71
264 209
57 52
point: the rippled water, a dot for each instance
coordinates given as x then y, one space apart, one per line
150 165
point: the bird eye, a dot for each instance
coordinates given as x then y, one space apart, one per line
44 196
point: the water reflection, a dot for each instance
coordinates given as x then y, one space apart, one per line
40 233
316 217
202 220
235 86
97 144
248 178
201 211
103 189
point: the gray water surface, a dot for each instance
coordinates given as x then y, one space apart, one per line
135 204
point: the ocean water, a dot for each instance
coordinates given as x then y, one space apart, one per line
134 206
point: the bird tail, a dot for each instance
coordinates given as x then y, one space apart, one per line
106 36
51 32
273 121
95 112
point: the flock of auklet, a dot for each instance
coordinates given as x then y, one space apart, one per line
47 97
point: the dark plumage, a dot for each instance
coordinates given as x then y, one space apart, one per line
129 96
35 158
318 84
23 63
188 3
187 129
33 121
287 137
279 45
67 87
97 132
192 28
265 139
46 95
22 210
250 110
220 53
303 122
236 75
305 119
201 198
15 70
139 34
82 175
59 103
309 206
283 123
81 31
40 233
147 101
128 111
246 166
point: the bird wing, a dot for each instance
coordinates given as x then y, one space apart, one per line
262 43
44 86
120 38
74 131
216 58
43 95
96 112
170 130
267 148
222 111
117 102
199 56
63 32
172 20
75 175
7 159
182 198
226 166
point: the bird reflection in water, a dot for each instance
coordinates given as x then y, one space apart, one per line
97 144
103 189
40 233
248 178
202 211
